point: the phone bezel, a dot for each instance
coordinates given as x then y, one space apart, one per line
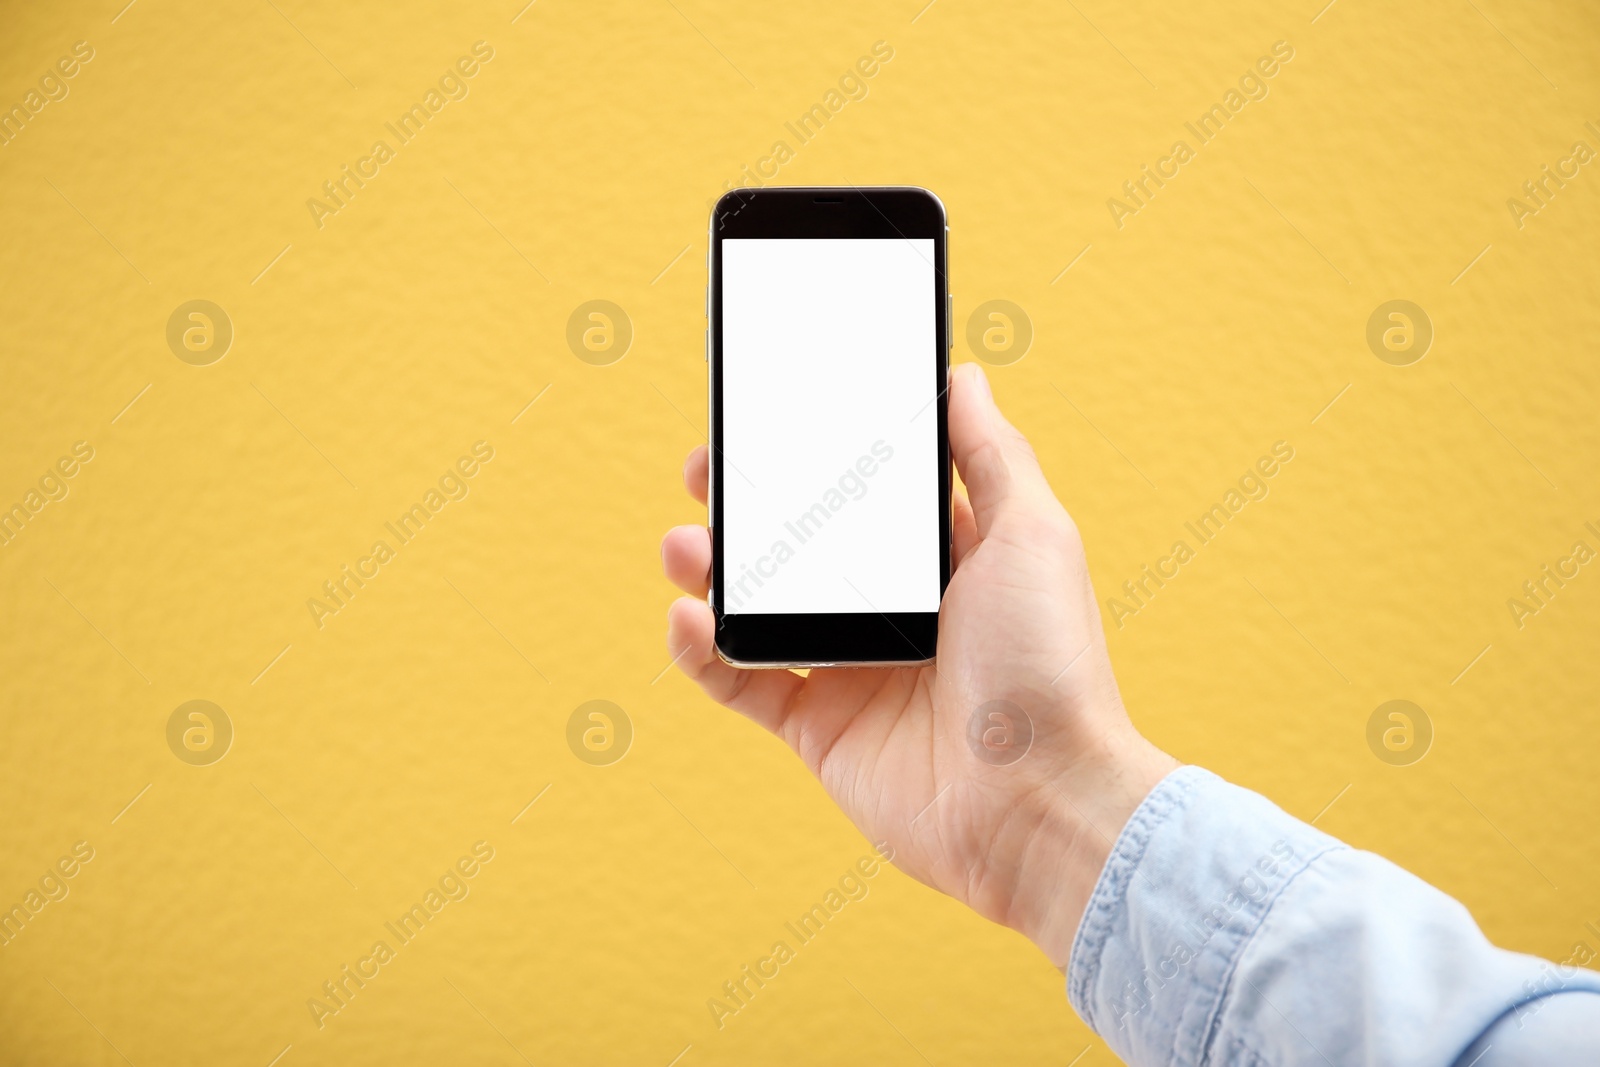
855 639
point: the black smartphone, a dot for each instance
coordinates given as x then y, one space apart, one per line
829 341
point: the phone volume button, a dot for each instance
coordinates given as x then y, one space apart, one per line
708 344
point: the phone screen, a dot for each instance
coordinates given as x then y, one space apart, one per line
830 450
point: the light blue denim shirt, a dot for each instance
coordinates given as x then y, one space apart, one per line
1223 931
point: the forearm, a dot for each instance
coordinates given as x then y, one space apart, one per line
1223 930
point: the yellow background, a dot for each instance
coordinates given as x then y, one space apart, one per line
426 314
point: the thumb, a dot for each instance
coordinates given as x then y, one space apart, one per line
995 460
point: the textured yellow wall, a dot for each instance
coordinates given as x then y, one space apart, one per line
374 345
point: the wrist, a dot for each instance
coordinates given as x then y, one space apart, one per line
1074 818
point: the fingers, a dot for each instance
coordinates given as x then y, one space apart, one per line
996 463
697 472
686 557
763 696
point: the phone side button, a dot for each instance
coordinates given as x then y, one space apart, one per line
708 344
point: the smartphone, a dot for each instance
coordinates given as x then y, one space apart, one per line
828 339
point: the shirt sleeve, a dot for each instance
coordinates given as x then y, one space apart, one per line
1224 931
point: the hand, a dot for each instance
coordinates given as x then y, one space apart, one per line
1020 840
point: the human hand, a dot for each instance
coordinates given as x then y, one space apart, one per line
1018 831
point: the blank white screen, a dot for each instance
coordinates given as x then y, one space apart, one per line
830 436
